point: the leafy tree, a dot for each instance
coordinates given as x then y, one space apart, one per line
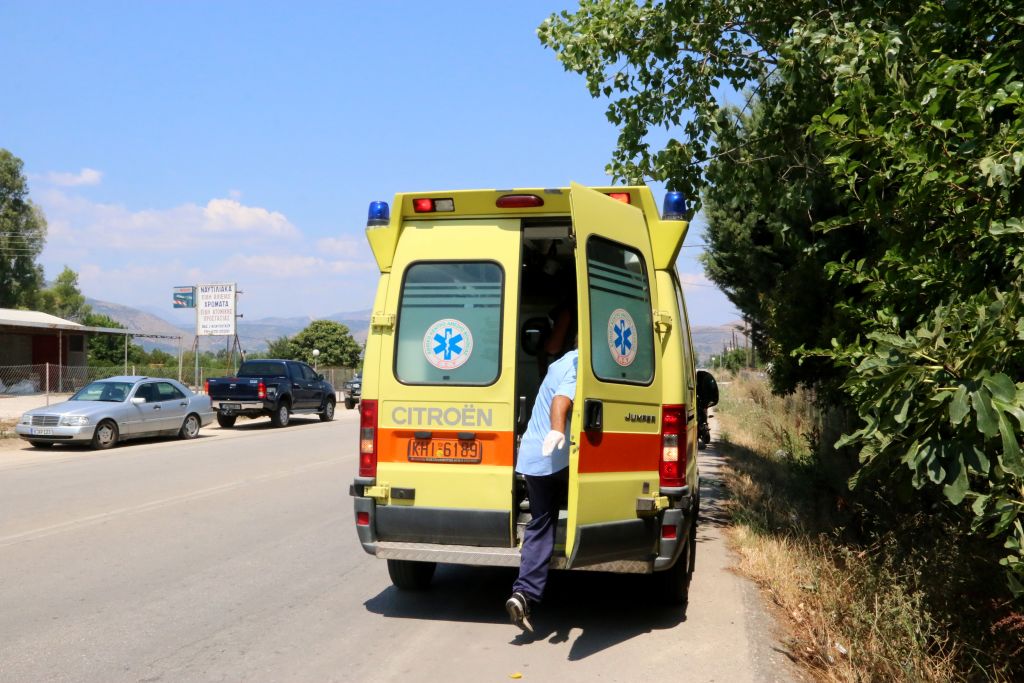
332 339
22 236
865 209
281 347
63 298
107 350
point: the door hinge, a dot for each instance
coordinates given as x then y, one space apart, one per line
380 492
382 321
649 507
662 321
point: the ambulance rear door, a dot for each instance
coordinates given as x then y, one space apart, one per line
616 440
447 382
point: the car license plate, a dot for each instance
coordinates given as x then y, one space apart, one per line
230 406
460 451
40 431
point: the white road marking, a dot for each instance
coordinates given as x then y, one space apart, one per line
91 520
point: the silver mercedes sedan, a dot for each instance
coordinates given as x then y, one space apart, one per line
119 408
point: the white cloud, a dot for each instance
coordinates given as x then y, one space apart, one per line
73 218
342 246
87 176
689 280
229 215
295 266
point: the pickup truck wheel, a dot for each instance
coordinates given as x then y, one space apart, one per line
226 421
408 575
327 414
41 444
282 415
350 404
190 427
105 435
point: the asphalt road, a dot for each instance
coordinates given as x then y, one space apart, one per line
233 557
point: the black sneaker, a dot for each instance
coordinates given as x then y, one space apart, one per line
518 608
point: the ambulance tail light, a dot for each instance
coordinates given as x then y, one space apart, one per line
426 205
673 446
518 201
368 438
261 390
620 197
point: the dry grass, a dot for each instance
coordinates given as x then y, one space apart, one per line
7 429
851 618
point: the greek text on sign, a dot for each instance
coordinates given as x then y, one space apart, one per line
215 310
447 344
622 337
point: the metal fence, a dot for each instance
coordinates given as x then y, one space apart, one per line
50 378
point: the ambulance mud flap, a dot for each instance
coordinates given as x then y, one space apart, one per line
631 539
364 511
671 548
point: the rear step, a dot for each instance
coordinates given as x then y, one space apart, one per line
489 557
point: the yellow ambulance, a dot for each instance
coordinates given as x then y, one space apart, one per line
475 291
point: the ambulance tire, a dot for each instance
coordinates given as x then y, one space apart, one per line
408 575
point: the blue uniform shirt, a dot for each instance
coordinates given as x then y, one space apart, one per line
560 381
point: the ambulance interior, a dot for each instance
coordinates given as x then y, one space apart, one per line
547 329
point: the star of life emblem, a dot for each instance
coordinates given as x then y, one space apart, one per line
448 344
622 337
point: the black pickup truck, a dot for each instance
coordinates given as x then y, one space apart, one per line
278 388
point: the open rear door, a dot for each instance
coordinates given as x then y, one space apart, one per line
616 439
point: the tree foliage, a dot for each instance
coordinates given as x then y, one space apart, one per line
22 237
865 208
333 340
281 347
63 298
107 350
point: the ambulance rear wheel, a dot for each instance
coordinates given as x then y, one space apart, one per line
411 576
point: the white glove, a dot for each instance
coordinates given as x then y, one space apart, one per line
553 441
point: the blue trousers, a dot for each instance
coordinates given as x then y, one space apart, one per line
546 493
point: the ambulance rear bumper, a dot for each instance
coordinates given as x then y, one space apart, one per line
489 557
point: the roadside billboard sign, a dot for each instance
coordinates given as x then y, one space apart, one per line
215 310
184 297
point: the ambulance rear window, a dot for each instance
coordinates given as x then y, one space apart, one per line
621 326
449 324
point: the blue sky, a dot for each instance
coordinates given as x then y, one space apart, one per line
178 143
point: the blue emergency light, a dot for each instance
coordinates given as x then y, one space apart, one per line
674 208
379 214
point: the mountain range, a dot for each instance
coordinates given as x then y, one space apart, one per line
254 335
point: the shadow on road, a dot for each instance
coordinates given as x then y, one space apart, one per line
601 607
261 423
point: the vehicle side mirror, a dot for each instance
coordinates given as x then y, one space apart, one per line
707 389
320 377
138 400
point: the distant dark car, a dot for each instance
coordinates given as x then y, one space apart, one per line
353 389
108 411
278 388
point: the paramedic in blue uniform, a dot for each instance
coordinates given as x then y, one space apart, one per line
544 461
